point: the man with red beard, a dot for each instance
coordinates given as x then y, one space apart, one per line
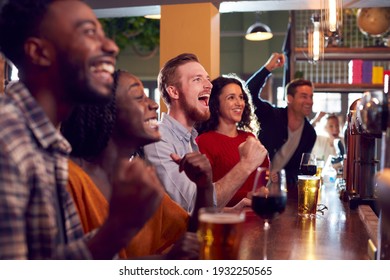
185 88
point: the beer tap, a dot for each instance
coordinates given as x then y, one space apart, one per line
362 162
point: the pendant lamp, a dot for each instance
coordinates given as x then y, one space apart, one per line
258 31
315 40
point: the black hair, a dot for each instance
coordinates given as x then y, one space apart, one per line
89 127
248 120
20 19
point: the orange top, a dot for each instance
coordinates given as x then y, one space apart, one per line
165 227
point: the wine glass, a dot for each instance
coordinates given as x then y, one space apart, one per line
269 198
308 164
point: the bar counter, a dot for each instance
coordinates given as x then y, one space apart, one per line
339 234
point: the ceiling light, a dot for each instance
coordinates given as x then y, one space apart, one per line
332 17
157 16
258 32
315 40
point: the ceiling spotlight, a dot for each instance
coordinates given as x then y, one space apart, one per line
258 32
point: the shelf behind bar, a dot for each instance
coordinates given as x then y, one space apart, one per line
342 53
320 87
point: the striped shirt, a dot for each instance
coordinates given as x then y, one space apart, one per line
33 170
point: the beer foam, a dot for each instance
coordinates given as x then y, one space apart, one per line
308 177
221 218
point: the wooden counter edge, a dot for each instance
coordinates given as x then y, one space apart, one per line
370 221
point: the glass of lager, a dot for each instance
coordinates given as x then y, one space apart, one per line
308 187
219 233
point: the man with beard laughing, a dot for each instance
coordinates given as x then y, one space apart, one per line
185 88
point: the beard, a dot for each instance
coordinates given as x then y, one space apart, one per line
78 85
84 93
193 112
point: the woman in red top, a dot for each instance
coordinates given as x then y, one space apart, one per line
231 122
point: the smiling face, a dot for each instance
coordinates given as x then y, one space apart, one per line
136 113
302 101
82 58
231 104
332 127
194 91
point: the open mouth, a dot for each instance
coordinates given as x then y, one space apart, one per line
307 108
204 99
152 123
103 67
103 70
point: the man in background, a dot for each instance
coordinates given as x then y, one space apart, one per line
285 132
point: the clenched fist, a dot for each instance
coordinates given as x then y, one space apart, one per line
252 153
137 192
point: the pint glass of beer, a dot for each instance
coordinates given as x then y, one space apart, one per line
219 233
308 187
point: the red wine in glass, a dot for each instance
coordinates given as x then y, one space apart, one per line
308 169
269 197
267 207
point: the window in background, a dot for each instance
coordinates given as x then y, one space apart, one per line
155 95
151 90
323 101
327 102
156 98
146 90
280 100
352 97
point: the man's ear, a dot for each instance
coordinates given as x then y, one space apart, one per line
38 51
173 92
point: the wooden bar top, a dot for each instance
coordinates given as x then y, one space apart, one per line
339 234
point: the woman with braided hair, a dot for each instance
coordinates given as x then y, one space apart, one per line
101 136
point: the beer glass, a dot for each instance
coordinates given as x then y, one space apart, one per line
269 198
219 233
308 187
320 167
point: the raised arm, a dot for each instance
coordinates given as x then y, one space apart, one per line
257 81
